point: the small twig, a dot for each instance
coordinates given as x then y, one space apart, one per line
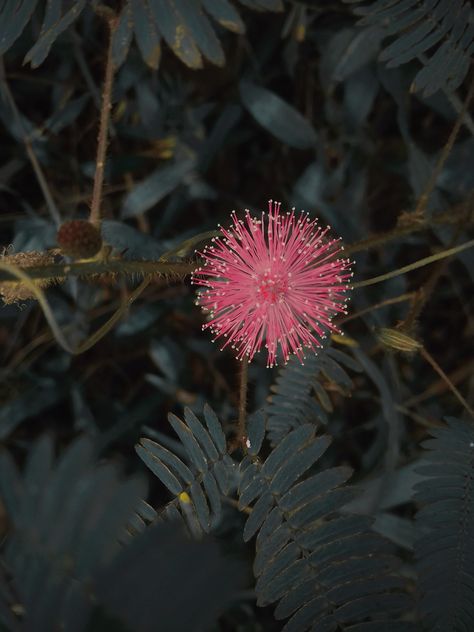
439 387
425 291
446 379
415 265
53 211
95 211
425 196
366 310
453 99
242 430
452 216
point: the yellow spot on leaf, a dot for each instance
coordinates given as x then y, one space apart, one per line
184 498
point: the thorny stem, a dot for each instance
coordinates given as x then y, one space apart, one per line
118 266
425 196
415 265
242 430
52 208
94 216
446 379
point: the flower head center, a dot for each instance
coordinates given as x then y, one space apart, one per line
272 286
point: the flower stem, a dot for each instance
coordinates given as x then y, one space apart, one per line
242 430
415 265
427 356
95 213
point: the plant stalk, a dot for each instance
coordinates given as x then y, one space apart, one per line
415 265
427 356
95 212
242 429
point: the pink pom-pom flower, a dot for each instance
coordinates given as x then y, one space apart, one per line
275 282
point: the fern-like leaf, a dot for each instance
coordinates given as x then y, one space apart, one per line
327 571
184 25
298 395
196 486
444 29
445 550
66 522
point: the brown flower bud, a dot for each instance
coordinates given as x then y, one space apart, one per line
79 238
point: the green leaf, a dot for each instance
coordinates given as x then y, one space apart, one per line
50 32
146 33
201 31
122 37
14 16
175 32
155 187
160 470
277 116
224 13
255 432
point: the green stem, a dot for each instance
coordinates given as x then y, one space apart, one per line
414 266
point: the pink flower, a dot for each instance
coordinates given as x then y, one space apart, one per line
273 281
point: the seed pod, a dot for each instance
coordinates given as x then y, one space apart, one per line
394 339
79 238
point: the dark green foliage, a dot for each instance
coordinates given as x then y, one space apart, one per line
441 29
198 486
64 557
67 519
167 581
298 396
327 570
445 550
277 117
294 105
183 24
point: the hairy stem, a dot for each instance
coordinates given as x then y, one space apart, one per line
415 265
93 268
95 213
446 379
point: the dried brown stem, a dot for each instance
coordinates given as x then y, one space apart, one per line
95 212
446 379
425 196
